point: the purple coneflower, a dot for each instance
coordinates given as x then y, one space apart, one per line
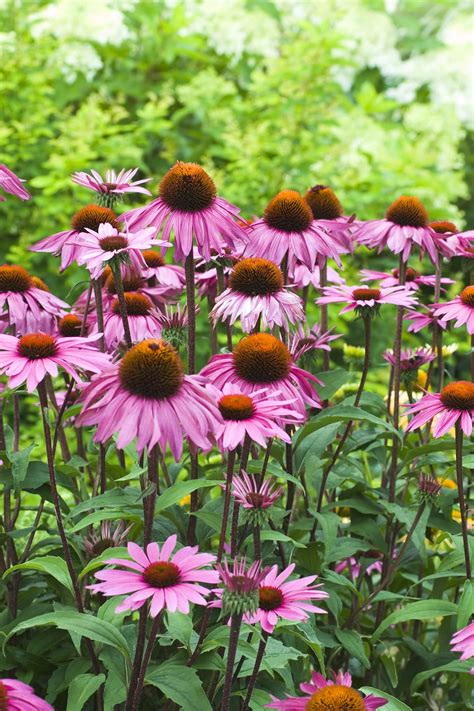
413 279
165 274
364 300
411 358
239 592
454 402
306 340
114 185
252 496
169 582
300 276
18 696
188 206
327 695
256 295
461 309
108 537
12 184
423 319
463 641
142 317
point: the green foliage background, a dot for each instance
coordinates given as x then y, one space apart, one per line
278 111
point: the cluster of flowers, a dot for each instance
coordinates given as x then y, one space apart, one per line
124 333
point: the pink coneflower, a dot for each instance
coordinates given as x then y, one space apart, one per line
189 207
12 184
108 244
132 282
454 402
288 600
365 300
239 592
147 396
28 307
253 415
114 185
35 355
256 295
461 309
423 319
169 582
463 641
143 320
252 496
354 567
328 215
306 340
18 696
70 326
262 361
65 242
174 324
413 279
327 695
166 274
405 225
288 230
411 358
300 276
108 537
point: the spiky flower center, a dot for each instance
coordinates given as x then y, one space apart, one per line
269 598
336 698
443 227
35 346
261 358
288 212
323 203
113 243
187 187
153 259
236 407
162 575
458 395
255 499
102 545
3 698
366 294
70 326
256 277
136 304
467 296
410 274
407 211
91 216
14 278
152 369
131 282
39 284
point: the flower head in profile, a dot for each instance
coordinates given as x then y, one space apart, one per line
107 245
256 295
33 356
262 361
288 599
113 186
168 581
254 415
405 226
307 340
301 276
12 184
411 359
329 215
428 488
460 310
255 498
454 403
365 301
288 230
109 536
18 696
333 694
70 326
174 324
413 278
239 592
147 396
67 243
463 641
142 317
28 306
188 206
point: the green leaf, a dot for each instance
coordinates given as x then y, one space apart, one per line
353 644
175 493
457 667
81 689
393 703
179 683
466 605
332 380
19 462
349 412
420 610
77 623
118 552
49 565
310 448
270 535
99 516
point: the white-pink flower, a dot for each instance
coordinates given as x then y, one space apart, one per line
454 403
361 297
460 309
12 184
115 183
